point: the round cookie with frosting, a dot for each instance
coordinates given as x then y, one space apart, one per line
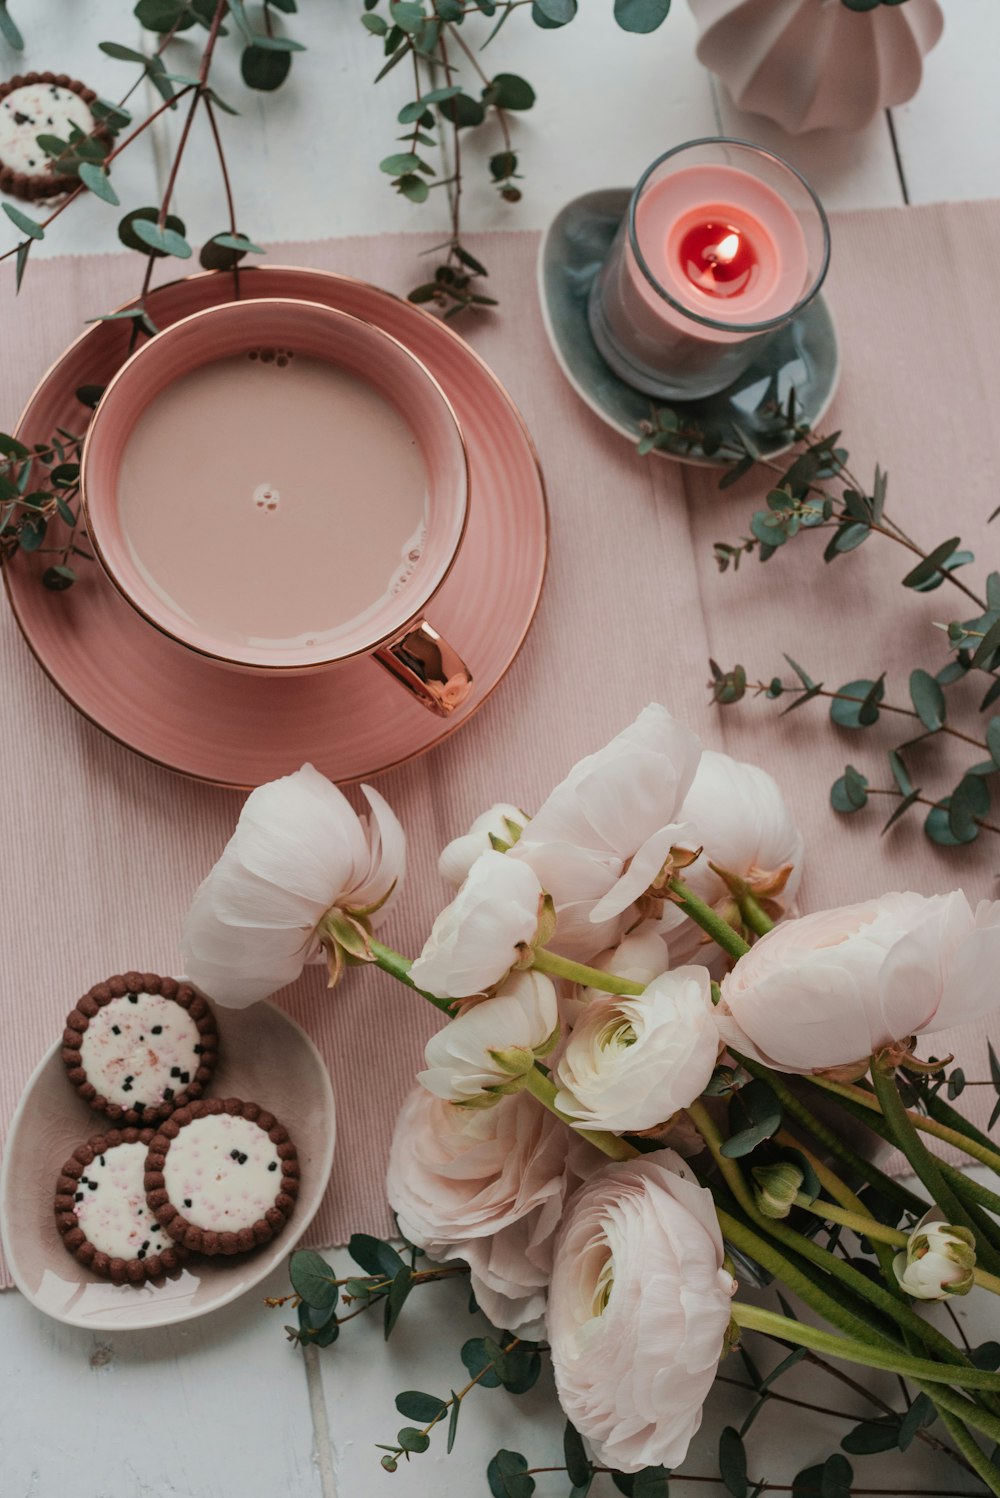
102 1214
137 1046
34 104
222 1176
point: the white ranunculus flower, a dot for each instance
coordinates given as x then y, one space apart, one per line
486 1186
742 822
484 932
298 851
458 857
630 1064
829 989
487 1050
639 1306
603 835
938 1260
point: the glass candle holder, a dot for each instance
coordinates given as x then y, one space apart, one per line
723 244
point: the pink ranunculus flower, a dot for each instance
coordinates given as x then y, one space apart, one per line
829 989
501 821
639 1306
298 851
742 822
640 957
487 1050
630 1064
486 1186
603 835
484 932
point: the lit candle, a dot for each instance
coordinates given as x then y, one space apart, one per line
723 243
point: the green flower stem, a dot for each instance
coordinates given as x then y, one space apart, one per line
542 1087
972 1451
975 1195
399 966
867 1226
794 1107
984 1153
755 1318
790 1274
708 919
924 1164
845 1197
888 1302
941 1110
754 914
587 977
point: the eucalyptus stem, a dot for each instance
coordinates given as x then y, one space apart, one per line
923 1370
588 977
708 919
542 1087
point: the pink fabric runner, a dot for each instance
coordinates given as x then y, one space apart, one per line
101 851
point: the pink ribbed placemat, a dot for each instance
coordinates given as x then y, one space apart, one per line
101 851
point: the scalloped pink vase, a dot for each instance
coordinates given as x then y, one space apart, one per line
815 64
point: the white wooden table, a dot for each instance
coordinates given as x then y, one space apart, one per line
224 1406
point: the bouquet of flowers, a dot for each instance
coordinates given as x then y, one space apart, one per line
651 1075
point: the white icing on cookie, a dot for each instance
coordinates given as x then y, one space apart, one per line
38 109
140 1049
222 1173
110 1205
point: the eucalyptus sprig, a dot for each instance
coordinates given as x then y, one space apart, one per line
816 489
37 485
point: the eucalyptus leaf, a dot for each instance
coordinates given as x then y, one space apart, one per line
164 239
733 1462
413 1405
507 1475
263 68
754 1115
97 179
12 37
21 221
641 15
938 829
928 700
313 1279
578 1466
863 711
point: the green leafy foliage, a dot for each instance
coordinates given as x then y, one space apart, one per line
641 15
754 1115
507 1475
313 1279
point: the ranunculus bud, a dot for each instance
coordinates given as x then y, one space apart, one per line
485 931
631 1063
503 823
938 1261
487 1051
776 1187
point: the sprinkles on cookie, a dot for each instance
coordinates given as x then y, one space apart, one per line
137 1046
101 1210
222 1176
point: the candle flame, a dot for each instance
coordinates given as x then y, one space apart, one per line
727 249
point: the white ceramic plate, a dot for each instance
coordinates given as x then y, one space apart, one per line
263 1057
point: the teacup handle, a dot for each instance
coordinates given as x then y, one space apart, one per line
428 667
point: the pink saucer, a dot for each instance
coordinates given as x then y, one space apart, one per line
183 711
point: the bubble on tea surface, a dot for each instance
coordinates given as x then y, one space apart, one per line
266 497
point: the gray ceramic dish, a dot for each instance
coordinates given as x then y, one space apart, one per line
803 356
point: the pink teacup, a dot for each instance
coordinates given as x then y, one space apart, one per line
280 486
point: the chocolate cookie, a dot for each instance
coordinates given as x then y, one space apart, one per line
34 104
222 1176
137 1046
102 1215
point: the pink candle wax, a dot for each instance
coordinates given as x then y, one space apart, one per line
724 245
